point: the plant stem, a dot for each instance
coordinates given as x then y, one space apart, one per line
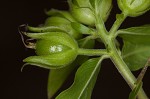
92 52
109 41
119 19
124 70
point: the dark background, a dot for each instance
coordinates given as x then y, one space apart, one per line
32 82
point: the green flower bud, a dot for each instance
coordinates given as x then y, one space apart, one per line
60 13
56 20
53 49
83 11
64 25
57 24
63 20
134 8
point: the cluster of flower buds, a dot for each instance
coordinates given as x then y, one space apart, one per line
56 42
59 38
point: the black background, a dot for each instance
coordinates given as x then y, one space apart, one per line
32 82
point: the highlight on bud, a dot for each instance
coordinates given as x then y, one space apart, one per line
134 8
53 49
83 11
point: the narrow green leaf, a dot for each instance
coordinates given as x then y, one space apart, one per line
45 29
52 61
136 48
81 28
139 82
135 91
84 81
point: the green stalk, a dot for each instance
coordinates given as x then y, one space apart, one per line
119 20
124 70
92 52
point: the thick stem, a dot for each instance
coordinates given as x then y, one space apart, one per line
124 70
109 41
92 52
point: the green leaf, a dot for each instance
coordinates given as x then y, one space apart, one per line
141 30
84 81
57 77
81 28
136 48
